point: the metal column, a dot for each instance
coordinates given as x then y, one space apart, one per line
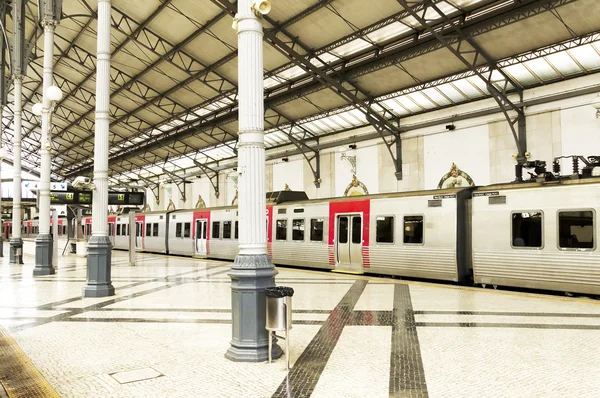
43 242
99 247
252 270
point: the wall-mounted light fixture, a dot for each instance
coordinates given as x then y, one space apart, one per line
450 127
596 104
285 159
352 146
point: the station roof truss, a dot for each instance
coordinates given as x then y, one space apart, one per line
330 66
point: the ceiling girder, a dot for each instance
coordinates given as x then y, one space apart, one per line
419 46
211 174
470 54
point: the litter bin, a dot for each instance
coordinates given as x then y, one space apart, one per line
279 315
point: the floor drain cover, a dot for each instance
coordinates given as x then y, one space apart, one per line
132 376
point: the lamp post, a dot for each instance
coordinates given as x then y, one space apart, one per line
43 242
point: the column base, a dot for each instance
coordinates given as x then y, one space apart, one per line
99 268
16 251
250 275
43 256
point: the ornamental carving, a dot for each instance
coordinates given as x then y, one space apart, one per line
200 204
455 178
356 188
171 205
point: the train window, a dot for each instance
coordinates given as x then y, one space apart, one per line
216 229
178 230
356 229
226 229
413 229
88 229
298 229
385 230
148 229
316 230
187 230
298 210
118 229
527 229
281 211
236 232
281 230
343 230
576 229
155 229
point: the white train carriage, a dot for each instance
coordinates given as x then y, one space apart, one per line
538 235
151 230
122 231
224 234
179 232
297 234
418 234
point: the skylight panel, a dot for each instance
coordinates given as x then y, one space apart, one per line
421 100
291 73
586 56
521 74
450 92
542 69
436 96
351 47
563 62
388 32
406 102
396 107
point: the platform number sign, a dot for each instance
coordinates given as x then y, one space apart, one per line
121 197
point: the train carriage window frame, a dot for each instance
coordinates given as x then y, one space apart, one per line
236 230
404 217
226 231
179 230
512 237
148 229
215 230
323 229
393 229
576 249
277 229
187 230
155 229
303 225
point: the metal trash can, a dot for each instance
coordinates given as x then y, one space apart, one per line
279 315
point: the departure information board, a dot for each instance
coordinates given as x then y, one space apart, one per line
85 198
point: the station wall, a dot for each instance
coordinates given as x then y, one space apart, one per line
482 146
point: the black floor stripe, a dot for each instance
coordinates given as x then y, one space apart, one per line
407 376
506 325
508 313
303 377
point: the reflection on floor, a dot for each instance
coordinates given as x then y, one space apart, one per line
166 331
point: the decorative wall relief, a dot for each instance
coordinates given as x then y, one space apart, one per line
200 204
356 188
455 178
147 208
171 205
286 188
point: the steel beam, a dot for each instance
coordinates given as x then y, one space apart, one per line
211 174
472 56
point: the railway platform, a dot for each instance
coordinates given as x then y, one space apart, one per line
165 333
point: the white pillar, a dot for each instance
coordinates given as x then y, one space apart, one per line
252 270
1 207
99 246
43 242
16 243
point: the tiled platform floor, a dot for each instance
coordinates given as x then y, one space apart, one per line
169 324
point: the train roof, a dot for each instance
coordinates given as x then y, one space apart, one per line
539 184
